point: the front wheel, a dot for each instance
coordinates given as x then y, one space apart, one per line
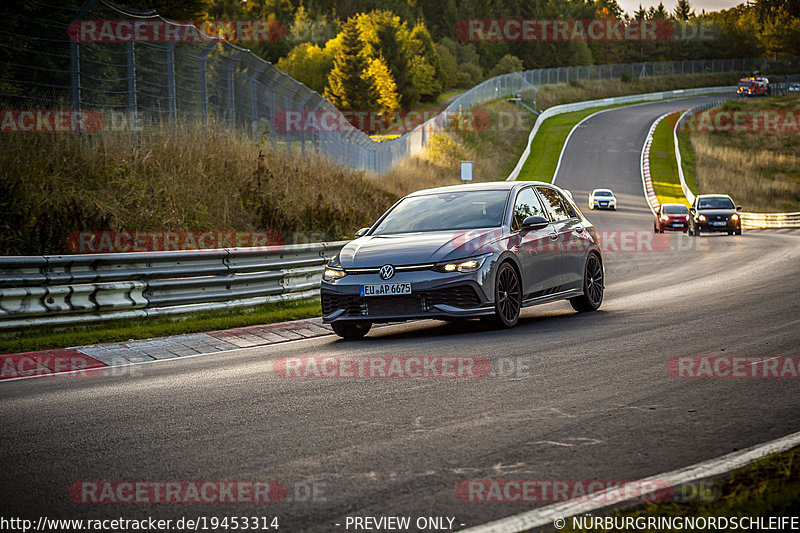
351 330
507 297
593 287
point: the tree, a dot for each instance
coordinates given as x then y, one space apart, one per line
172 9
509 63
347 87
657 13
683 11
308 64
426 66
449 67
385 36
384 90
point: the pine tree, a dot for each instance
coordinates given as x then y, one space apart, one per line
348 87
683 11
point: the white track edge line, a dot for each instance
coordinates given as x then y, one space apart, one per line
544 516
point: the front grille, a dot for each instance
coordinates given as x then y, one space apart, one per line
333 302
462 296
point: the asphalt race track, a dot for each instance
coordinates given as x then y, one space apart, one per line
595 401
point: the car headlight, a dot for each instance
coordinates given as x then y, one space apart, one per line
468 265
734 217
701 218
332 274
665 218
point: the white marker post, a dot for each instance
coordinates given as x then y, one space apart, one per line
466 171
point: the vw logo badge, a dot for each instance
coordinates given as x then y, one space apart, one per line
386 272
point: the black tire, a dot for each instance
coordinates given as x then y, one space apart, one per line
507 297
593 286
351 330
738 231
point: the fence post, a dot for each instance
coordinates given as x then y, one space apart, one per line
130 59
75 68
171 97
254 83
230 92
204 80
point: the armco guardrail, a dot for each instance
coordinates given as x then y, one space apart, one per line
589 104
749 220
770 220
59 290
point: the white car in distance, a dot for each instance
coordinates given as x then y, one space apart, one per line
602 199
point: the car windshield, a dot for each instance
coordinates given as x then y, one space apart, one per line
446 211
745 84
715 203
603 193
675 209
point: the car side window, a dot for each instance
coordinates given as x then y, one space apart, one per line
526 205
553 204
571 209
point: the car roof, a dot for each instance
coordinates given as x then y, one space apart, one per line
673 204
604 190
713 196
482 186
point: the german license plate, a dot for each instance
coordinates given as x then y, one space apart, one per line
386 289
723 223
678 225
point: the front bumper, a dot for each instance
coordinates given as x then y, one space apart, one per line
677 225
433 295
708 225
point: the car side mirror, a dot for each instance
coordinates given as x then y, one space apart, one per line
738 208
535 223
362 232
691 210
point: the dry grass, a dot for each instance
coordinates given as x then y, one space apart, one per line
201 178
761 171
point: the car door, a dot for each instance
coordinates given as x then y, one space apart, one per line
569 233
540 260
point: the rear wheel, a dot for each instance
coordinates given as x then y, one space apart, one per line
507 297
593 286
351 330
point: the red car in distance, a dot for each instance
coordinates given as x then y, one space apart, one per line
673 217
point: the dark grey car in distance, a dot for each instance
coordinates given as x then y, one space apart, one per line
480 250
714 212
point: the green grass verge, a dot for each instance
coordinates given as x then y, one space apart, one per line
688 160
768 487
663 165
547 145
43 338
